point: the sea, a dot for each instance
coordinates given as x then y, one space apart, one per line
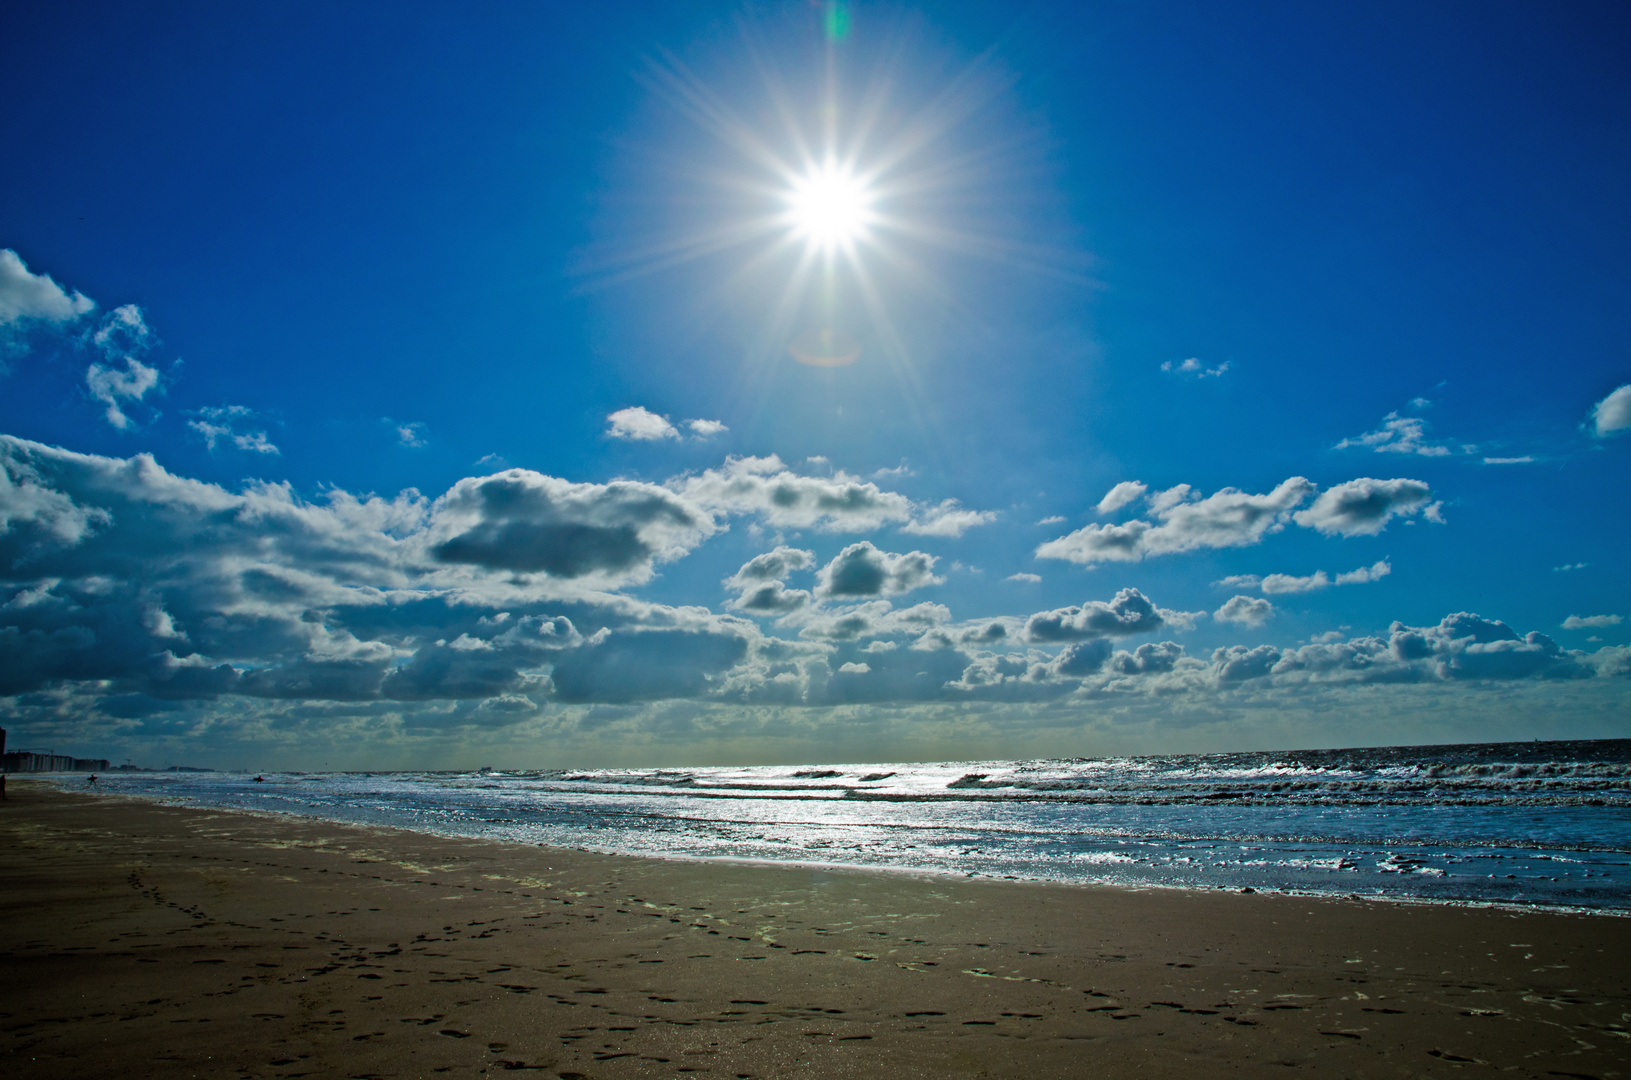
1543 824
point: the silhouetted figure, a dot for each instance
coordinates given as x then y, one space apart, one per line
260 779
92 780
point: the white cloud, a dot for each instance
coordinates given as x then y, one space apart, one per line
770 598
765 487
524 522
111 386
1194 368
1570 566
124 588
1366 574
1398 435
874 618
1185 522
1129 612
786 500
1273 584
230 424
862 571
1525 460
123 336
948 519
1238 581
1363 507
759 583
772 566
1053 519
25 295
704 429
1612 415
411 435
1117 497
1028 579
640 424
1582 622
1245 610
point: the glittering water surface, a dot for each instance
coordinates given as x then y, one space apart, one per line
1524 823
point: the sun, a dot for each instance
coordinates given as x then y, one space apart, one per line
829 206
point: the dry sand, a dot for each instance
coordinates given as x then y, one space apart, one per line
141 940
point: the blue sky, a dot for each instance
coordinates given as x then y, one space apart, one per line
416 386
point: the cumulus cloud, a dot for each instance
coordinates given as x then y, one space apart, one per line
118 573
1117 497
1245 610
1184 522
1363 507
1194 368
1272 584
783 499
947 519
1466 646
770 598
1151 658
872 619
862 571
1130 612
760 583
1364 575
526 522
411 435
773 565
1583 622
1023 578
706 429
29 296
1397 435
132 592
231 425
640 424
1612 415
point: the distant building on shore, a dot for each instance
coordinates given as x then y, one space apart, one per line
38 761
45 760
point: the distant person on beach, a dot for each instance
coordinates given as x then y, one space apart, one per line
92 780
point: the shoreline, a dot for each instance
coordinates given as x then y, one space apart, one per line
230 943
189 802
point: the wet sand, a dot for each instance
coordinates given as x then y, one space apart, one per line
144 940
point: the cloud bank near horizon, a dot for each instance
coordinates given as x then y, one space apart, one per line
137 593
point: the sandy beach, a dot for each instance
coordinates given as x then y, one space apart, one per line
147 940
